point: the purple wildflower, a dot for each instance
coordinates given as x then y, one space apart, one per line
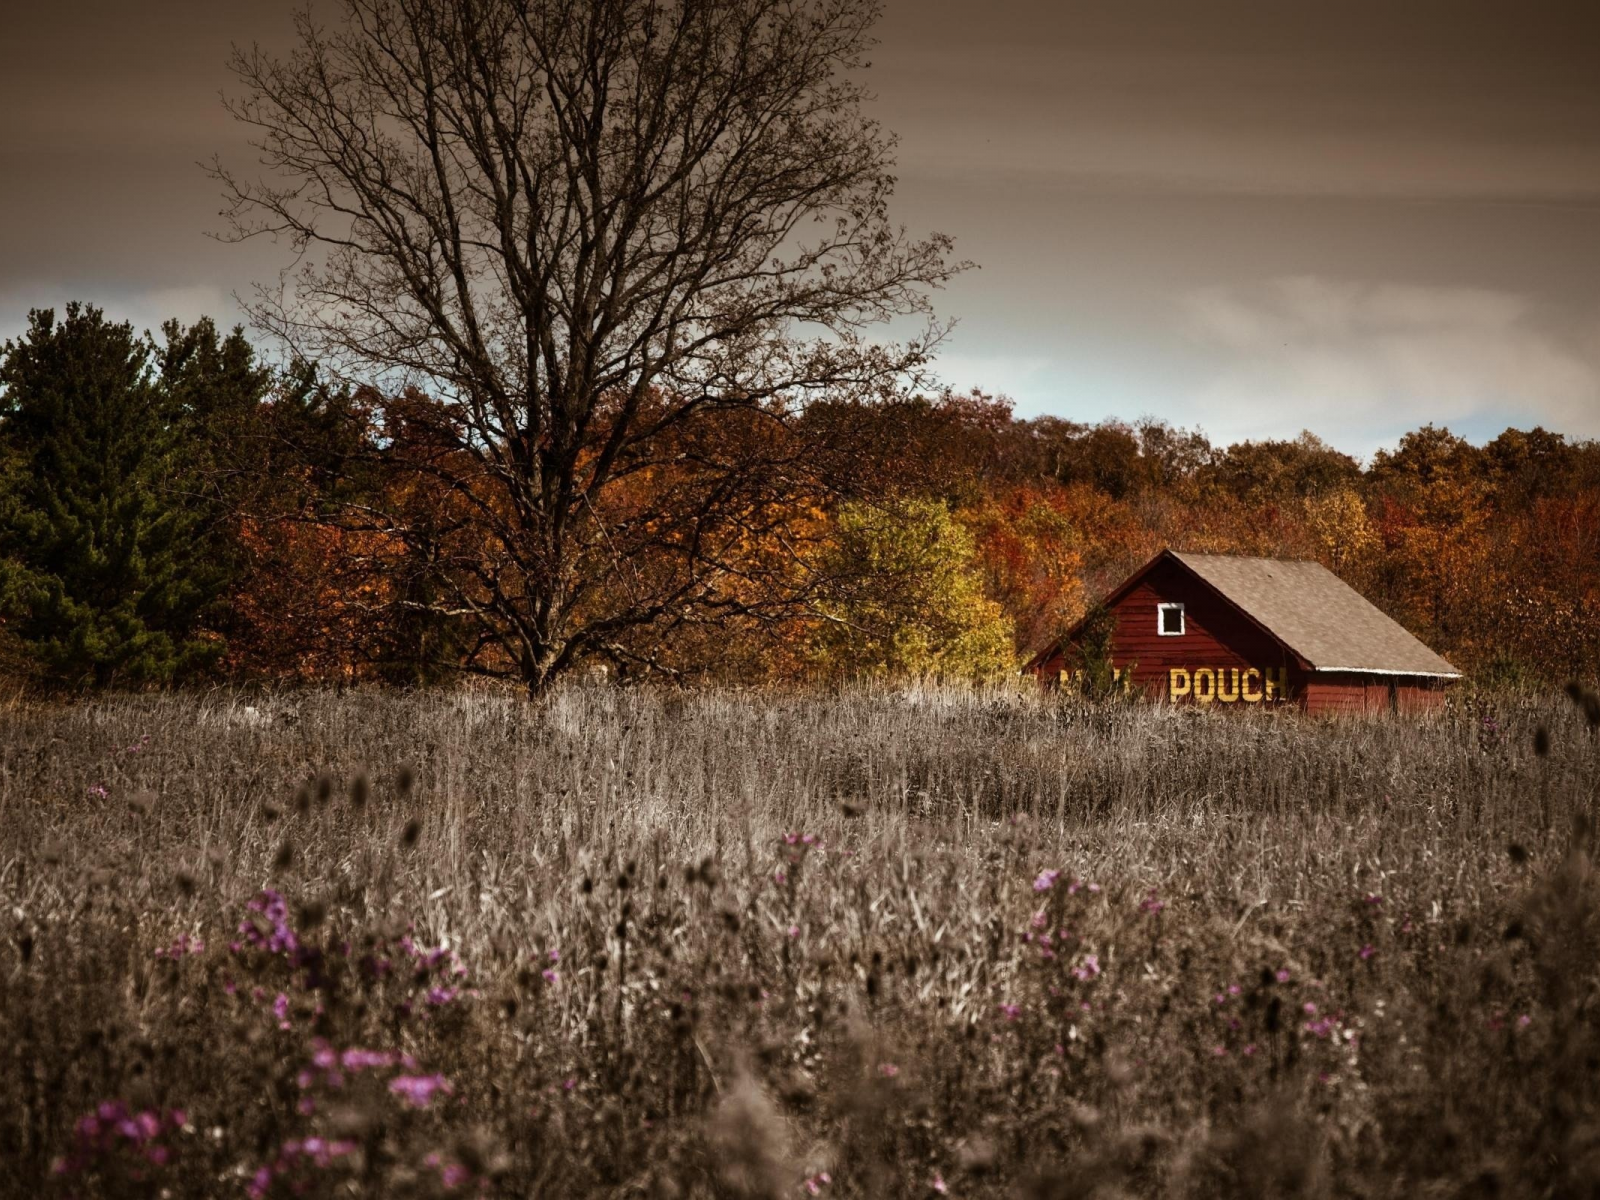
113 1132
269 930
451 1174
418 1091
182 946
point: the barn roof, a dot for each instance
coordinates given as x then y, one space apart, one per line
1316 614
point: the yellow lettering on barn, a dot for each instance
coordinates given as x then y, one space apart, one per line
1207 685
1227 685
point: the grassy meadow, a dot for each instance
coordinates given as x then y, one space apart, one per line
726 944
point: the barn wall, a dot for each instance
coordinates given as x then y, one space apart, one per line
1423 695
1217 638
1350 692
1346 693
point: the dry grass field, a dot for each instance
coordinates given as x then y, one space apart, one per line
626 943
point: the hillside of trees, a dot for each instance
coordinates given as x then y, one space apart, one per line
175 511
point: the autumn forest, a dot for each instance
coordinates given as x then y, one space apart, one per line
176 511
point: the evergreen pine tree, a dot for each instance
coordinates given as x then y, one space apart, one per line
212 390
110 538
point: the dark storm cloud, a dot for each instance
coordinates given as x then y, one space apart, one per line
1248 216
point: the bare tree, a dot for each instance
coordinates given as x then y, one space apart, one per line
622 245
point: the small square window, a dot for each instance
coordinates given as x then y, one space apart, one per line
1169 620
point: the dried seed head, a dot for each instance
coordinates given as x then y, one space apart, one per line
302 800
475 1151
25 947
350 1121
360 789
1587 701
750 1141
1541 741
412 831
324 788
184 878
311 913
405 779
284 858
976 1153
52 852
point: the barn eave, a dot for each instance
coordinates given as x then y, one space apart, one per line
1385 671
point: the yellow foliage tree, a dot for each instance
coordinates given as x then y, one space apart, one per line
1346 537
907 598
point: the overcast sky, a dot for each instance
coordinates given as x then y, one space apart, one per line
1249 217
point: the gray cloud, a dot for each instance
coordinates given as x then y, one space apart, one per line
1350 359
1104 162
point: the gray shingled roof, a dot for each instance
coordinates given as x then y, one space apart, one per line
1316 614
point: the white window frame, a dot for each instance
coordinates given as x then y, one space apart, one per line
1161 625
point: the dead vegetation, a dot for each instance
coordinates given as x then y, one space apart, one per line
625 943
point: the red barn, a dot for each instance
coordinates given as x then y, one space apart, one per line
1221 629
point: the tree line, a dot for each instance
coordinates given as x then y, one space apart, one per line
173 510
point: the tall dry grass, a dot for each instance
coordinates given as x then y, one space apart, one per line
625 943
